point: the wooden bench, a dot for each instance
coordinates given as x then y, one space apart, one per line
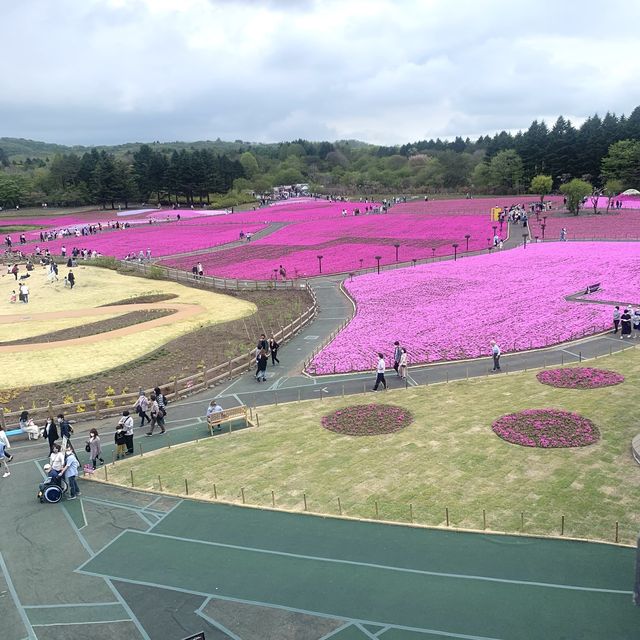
592 288
216 420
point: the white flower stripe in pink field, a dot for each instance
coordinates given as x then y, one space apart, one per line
452 310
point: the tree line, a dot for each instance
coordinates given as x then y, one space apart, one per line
598 152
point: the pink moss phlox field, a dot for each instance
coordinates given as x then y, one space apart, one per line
367 420
162 239
452 310
579 378
547 429
344 242
472 206
616 225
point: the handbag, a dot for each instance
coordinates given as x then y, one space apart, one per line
87 447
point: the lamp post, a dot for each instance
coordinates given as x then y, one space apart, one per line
455 251
524 238
320 263
542 226
466 237
378 258
397 246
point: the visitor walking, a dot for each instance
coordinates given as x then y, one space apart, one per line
495 353
127 424
380 369
71 279
616 319
262 343
141 406
5 456
70 471
65 428
157 419
273 348
397 354
120 439
625 324
403 365
261 365
563 234
635 317
162 401
94 448
50 433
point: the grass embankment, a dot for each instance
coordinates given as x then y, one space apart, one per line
448 458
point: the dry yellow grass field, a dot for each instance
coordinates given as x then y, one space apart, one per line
32 365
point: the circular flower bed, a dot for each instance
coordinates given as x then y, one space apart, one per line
367 420
546 428
579 378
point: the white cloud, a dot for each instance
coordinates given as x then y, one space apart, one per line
103 71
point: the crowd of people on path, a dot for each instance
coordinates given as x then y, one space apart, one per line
263 350
626 321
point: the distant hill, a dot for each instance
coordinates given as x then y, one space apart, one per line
21 148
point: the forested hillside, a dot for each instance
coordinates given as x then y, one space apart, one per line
604 153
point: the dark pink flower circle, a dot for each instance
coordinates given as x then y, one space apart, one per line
546 428
367 420
579 378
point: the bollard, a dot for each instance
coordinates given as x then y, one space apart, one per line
257 420
113 457
562 358
447 376
298 395
467 374
186 487
579 356
484 519
242 493
273 499
377 513
276 397
411 513
446 513
343 391
215 492
304 497
106 475
562 526
339 507
131 471
160 483
617 531
522 521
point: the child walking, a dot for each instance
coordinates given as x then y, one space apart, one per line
120 438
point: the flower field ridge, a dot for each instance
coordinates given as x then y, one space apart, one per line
452 310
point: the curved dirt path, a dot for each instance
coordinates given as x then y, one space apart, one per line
182 312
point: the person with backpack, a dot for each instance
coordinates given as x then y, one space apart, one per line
65 428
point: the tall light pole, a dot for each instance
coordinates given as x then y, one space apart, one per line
397 246
378 258
320 263
455 251
466 237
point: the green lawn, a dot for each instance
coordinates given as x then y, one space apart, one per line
448 458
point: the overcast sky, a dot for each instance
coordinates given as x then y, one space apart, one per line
383 71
